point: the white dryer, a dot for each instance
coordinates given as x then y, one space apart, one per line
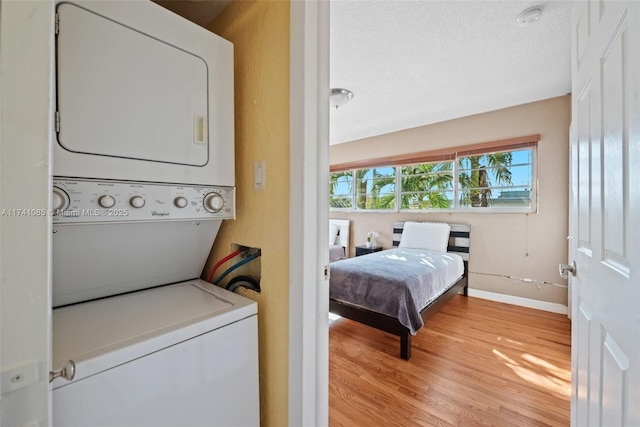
141 94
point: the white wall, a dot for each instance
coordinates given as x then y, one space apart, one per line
514 244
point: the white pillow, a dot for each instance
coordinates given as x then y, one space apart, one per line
431 236
333 233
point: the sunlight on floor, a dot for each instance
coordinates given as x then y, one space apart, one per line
558 372
509 340
540 373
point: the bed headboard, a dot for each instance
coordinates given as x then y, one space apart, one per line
343 235
458 238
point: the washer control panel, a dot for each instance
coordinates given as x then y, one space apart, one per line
88 200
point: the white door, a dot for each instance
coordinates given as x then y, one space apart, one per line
605 209
26 64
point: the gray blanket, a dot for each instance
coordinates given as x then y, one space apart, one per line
395 282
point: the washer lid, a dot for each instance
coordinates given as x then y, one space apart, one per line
101 334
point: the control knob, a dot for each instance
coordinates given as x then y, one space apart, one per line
107 201
213 202
181 202
60 199
137 201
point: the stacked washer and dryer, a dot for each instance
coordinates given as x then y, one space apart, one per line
143 165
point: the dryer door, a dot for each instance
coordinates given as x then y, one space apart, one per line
122 93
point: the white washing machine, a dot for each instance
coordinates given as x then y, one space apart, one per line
143 163
145 341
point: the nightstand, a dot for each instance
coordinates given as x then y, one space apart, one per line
363 250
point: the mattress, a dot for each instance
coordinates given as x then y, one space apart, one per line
396 282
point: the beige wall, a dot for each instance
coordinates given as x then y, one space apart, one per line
518 245
259 31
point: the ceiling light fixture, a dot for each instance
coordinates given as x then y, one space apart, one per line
339 97
529 16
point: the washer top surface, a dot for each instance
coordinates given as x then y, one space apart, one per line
98 335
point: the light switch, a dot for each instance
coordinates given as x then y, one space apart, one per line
258 175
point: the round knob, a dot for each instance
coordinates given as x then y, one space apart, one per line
181 202
60 199
107 201
137 201
68 372
213 202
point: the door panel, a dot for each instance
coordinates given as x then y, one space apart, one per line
584 171
582 33
615 192
581 379
615 388
606 289
597 8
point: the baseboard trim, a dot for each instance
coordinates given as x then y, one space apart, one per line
523 302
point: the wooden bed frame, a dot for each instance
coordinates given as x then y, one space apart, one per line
459 244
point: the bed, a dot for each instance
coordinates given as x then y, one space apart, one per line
338 239
397 290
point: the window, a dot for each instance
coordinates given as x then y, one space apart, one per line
489 178
498 180
341 190
427 186
363 189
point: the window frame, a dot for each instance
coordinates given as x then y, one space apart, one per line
453 155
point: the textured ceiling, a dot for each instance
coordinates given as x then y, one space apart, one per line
413 63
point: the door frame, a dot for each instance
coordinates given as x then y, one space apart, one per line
309 214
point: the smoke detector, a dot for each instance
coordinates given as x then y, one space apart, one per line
529 16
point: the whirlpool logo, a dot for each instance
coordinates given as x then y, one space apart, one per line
156 213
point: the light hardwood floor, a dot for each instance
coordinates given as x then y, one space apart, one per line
475 363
